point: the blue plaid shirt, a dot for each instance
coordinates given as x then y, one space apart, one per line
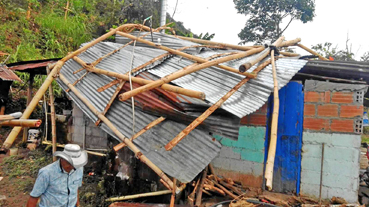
56 187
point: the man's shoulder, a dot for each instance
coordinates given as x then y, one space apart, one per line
53 167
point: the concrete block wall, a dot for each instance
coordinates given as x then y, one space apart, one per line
243 159
340 165
95 137
332 115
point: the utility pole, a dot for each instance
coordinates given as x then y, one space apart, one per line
163 14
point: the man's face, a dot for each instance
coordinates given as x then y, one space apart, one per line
66 165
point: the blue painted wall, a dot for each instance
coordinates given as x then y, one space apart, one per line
287 164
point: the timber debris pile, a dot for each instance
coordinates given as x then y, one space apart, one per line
108 80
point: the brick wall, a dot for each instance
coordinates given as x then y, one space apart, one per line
258 118
333 116
333 111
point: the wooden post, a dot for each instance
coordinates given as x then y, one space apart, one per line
201 186
185 71
62 145
16 130
312 51
52 109
29 97
273 134
183 54
173 198
128 142
209 111
321 175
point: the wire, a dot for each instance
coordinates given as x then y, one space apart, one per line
130 76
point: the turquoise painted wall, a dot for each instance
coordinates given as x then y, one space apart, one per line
250 143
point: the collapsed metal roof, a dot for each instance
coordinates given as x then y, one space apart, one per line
195 152
8 75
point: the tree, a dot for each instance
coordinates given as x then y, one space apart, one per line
266 16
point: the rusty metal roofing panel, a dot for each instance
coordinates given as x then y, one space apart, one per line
185 162
8 75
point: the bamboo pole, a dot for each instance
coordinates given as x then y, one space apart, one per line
141 81
201 186
244 67
66 11
289 54
2 110
237 47
29 97
78 80
142 195
191 197
14 133
273 134
185 71
176 52
52 111
173 193
209 111
22 122
15 115
128 142
312 51
290 42
62 145
149 126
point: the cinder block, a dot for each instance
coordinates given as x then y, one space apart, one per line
77 112
252 155
342 154
310 177
312 150
316 138
229 152
78 121
349 169
222 163
346 140
348 195
246 167
313 190
310 163
338 181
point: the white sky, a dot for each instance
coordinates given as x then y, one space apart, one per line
333 21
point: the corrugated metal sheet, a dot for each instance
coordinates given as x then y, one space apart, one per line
192 154
185 162
215 82
8 75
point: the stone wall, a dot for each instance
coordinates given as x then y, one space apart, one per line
333 116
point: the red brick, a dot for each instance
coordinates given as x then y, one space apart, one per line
316 124
328 110
346 125
311 96
254 119
324 97
327 97
263 109
340 97
351 111
309 110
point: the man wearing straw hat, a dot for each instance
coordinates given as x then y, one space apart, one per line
57 184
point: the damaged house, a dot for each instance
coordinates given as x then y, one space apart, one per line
186 105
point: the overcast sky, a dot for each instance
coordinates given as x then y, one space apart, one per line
334 20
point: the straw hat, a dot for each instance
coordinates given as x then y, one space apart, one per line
73 154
